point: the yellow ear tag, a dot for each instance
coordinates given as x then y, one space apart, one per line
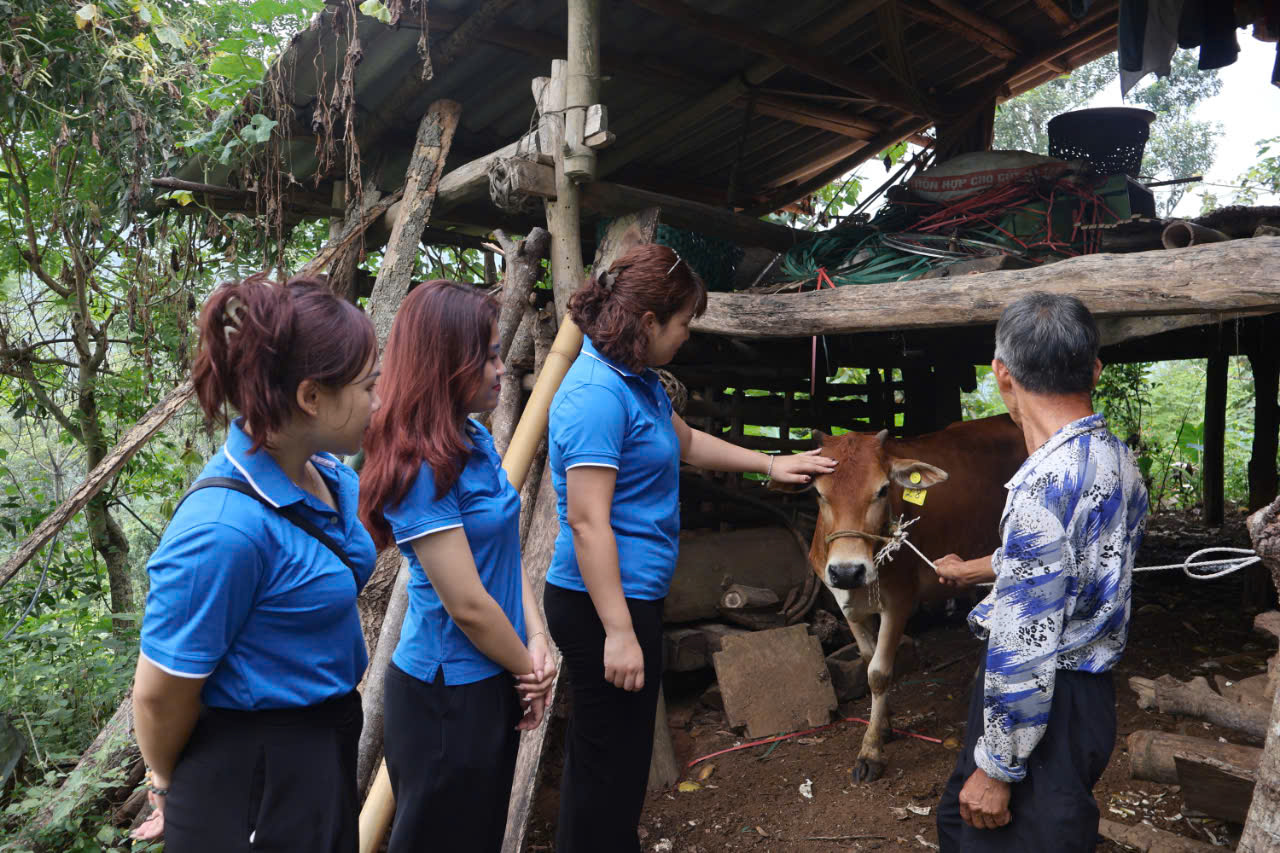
915 477
914 496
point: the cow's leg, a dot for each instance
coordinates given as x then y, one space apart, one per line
870 764
864 637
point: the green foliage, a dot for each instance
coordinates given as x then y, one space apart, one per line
1262 177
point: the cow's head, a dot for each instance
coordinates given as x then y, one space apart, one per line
857 499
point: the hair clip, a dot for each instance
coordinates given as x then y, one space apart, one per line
676 264
607 280
231 317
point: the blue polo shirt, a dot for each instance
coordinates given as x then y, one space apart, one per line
487 508
244 598
607 415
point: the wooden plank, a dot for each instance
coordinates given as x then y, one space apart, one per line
539 544
1216 788
791 53
1151 754
1219 277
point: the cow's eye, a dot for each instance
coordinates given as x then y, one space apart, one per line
884 491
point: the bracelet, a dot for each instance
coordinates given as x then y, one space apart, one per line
148 780
769 474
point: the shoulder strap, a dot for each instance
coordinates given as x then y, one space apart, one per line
289 513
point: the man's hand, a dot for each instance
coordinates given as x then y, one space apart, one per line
984 802
953 571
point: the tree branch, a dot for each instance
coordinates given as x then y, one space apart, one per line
27 375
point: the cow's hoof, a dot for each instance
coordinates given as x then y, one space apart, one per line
865 771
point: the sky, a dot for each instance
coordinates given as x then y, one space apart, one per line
1248 108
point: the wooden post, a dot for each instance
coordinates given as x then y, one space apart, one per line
1266 422
1262 827
1215 426
582 87
539 543
562 214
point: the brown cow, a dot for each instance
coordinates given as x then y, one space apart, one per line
962 470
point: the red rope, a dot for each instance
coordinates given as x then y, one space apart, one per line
813 356
775 738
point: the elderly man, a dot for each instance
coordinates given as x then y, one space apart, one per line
1042 719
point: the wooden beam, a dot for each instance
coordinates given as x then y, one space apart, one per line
790 53
812 115
1219 277
608 199
1057 14
835 164
472 29
1099 21
992 37
813 35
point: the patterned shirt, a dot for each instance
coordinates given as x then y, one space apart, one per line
1071 527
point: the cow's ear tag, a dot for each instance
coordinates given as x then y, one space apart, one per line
915 477
914 496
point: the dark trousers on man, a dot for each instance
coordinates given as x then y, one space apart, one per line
1053 808
610 737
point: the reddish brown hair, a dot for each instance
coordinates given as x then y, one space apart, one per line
432 368
647 278
260 339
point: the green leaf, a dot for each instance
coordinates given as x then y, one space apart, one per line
268 10
170 37
376 9
259 129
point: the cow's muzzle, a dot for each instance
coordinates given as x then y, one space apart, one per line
847 575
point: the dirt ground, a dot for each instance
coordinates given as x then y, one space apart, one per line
752 798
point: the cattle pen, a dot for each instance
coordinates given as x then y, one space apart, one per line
591 125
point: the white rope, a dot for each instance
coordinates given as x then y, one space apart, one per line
1248 557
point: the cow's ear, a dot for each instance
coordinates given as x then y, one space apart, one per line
914 474
818 438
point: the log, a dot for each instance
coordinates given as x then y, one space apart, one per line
523 269
373 693
1217 788
754 620
582 89
544 526
742 597
1217 278
113 748
352 231
1151 754
1148 839
663 769
1263 481
507 412
102 473
400 258
1195 698
689 649
765 557
1262 828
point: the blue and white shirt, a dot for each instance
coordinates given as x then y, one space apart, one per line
487 507
249 601
1072 524
606 415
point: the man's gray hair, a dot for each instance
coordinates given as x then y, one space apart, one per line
1049 343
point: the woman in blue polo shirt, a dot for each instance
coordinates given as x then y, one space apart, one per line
463 680
615 453
248 613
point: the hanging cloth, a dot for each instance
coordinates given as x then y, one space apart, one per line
1158 39
1211 26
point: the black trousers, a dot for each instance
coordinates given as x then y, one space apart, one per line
280 780
451 755
610 736
1053 808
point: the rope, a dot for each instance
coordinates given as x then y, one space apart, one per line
898 537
